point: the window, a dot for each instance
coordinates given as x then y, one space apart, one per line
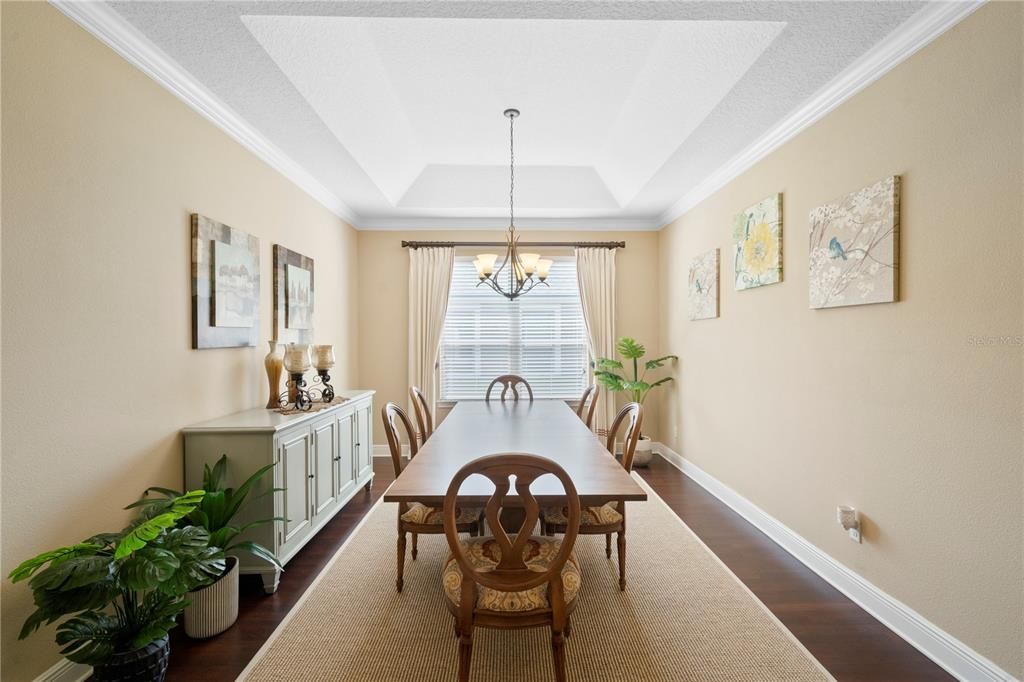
540 336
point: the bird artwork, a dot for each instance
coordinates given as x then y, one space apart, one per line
836 249
854 247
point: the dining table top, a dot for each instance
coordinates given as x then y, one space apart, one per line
548 428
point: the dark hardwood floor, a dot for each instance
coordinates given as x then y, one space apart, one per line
847 640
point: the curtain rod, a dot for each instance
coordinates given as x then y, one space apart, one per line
592 245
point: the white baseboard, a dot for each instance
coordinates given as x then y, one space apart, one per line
65 671
384 451
944 649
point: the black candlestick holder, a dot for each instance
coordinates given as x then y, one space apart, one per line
297 395
323 379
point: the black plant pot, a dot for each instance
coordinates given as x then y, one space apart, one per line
148 664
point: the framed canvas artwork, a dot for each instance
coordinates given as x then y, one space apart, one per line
757 241
703 286
225 285
854 247
294 296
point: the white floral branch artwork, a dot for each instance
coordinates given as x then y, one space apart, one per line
854 248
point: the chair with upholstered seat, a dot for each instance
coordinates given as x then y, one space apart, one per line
509 382
611 517
513 582
585 411
424 420
414 517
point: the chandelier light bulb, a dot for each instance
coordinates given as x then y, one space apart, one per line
529 261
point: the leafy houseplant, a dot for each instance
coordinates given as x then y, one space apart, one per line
214 608
610 373
123 590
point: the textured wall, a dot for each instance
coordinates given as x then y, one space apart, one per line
101 169
892 408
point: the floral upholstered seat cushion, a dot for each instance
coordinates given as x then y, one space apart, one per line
484 553
421 513
604 515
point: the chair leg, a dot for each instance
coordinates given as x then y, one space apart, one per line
465 654
608 545
568 627
622 560
401 559
415 549
558 655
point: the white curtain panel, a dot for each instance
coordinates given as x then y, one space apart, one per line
430 276
595 272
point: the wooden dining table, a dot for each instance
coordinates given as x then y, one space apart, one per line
549 428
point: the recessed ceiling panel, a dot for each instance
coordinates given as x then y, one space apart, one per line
619 96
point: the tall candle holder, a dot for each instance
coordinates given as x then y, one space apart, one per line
323 361
296 362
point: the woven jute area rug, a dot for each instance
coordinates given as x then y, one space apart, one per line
683 616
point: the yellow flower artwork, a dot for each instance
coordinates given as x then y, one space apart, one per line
757 235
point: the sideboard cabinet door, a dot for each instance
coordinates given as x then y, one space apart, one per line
294 462
364 442
346 465
325 448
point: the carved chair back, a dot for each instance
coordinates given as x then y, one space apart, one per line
632 416
509 383
584 411
512 573
424 420
391 414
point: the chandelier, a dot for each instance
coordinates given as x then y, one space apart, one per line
518 272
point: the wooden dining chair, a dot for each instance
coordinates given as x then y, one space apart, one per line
504 582
424 420
589 393
508 383
610 517
414 517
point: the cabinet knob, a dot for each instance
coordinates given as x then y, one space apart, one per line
337 459
359 445
311 475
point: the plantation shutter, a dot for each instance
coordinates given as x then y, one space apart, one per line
539 336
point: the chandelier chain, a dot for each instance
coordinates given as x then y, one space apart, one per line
511 173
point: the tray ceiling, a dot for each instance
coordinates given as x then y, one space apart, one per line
394 108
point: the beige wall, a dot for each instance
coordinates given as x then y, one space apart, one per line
101 169
889 408
384 299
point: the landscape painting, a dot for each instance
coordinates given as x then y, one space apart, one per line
300 298
757 236
854 248
225 285
703 286
236 285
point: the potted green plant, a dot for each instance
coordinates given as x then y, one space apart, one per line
609 372
213 608
123 591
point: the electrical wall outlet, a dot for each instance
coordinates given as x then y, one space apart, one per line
854 534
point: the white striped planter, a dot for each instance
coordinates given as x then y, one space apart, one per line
214 608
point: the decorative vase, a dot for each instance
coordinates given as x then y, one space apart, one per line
274 362
148 663
214 608
644 452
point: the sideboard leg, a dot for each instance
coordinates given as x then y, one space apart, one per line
368 485
270 581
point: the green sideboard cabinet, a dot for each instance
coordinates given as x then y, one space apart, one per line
321 460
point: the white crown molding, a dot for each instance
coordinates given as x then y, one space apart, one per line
944 649
604 224
65 671
926 25
109 27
